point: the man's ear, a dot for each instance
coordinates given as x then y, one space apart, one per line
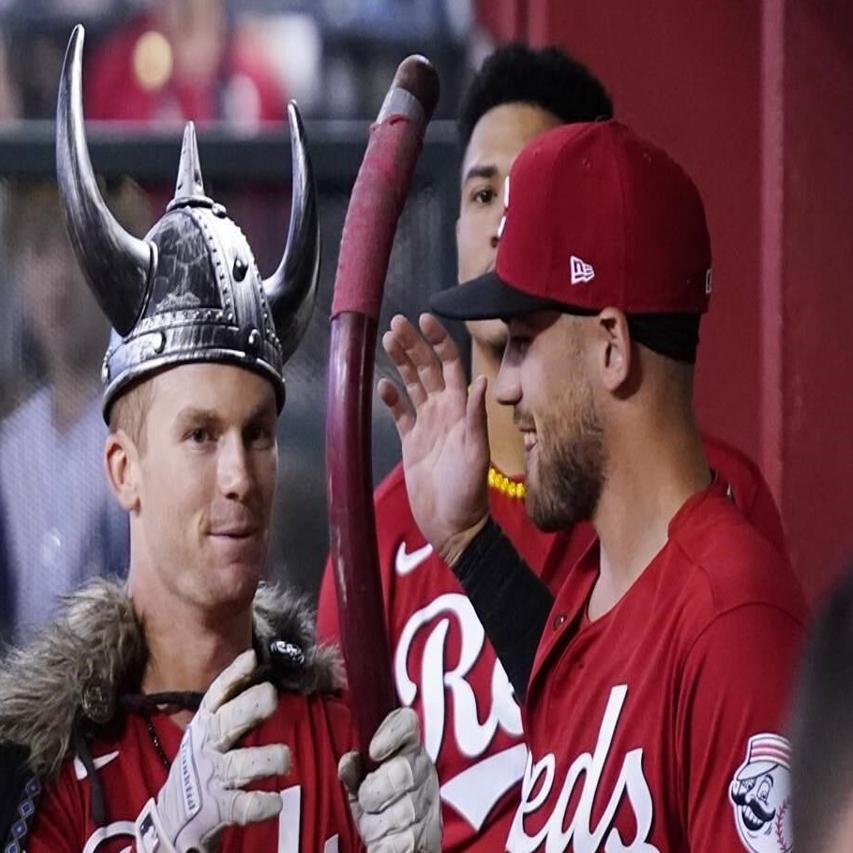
615 348
121 461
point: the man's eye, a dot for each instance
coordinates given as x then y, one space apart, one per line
483 196
199 435
258 436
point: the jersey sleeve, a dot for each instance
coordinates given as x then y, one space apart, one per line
732 705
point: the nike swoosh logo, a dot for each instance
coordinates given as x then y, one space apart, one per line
405 563
99 762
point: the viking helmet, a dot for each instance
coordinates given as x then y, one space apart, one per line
190 291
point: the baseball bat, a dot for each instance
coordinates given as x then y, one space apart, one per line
375 205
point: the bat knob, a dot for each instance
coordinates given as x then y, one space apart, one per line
417 75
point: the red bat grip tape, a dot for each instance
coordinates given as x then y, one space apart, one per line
377 199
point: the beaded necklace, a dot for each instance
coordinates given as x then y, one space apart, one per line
501 483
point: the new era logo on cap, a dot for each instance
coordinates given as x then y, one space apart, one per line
581 270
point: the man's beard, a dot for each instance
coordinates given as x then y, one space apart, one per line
570 467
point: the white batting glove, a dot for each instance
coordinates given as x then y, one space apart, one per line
201 796
396 807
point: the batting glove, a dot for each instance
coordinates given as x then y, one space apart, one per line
396 807
202 793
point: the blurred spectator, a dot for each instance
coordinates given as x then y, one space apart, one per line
58 522
822 742
178 61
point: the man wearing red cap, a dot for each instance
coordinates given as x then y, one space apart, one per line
670 646
444 666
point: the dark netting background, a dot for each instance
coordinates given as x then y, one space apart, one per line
58 524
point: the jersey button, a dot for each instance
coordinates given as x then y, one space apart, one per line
559 620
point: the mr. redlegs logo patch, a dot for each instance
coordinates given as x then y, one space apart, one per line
760 795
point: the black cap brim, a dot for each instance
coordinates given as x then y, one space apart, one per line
485 298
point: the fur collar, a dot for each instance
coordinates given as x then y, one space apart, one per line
97 640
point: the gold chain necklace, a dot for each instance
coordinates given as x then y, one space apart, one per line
503 484
155 741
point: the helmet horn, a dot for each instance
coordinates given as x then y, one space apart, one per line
115 262
292 289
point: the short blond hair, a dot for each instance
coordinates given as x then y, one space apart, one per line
129 413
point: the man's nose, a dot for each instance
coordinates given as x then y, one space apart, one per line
234 475
507 386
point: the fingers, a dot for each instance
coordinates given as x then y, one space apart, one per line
451 364
398 731
247 807
241 766
397 806
416 361
476 435
351 772
400 342
242 666
242 713
397 819
404 420
407 370
401 842
422 356
387 783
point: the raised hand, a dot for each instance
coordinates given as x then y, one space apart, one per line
202 793
443 434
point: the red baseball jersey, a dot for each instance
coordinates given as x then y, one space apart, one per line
657 726
315 816
446 669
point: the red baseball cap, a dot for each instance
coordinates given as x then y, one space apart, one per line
595 217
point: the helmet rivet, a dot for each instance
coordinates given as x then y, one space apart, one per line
254 339
160 342
240 268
